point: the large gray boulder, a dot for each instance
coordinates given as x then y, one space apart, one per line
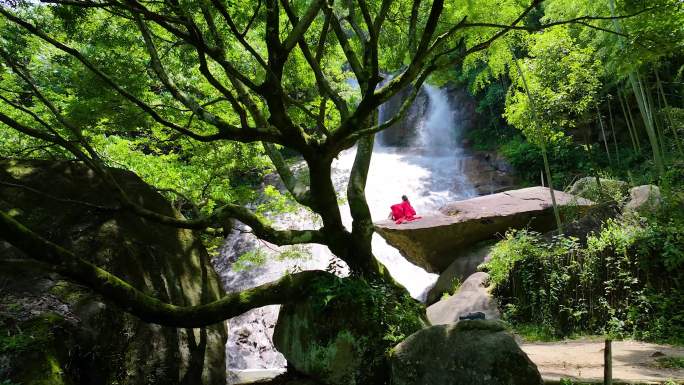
430 242
471 297
68 334
342 335
477 352
644 199
464 265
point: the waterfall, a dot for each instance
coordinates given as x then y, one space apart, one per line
429 172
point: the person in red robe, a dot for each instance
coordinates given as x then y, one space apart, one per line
403 212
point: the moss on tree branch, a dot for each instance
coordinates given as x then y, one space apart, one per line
289 289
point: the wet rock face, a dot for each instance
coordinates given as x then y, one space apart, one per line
489 172
70 335
468 353
250 347
430 242
404 132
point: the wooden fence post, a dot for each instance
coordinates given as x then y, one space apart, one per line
607 364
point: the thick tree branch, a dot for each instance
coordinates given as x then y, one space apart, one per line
251 20
289 289
514 26
367 19
299 191
413 27
346 47
215 53
59 199
302 25
382 15
73 129
370 103
228 211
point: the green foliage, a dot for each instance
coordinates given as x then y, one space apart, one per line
33 335
570 381
297 252
393 312
612 285
453 288
275 202
562 78
608 190
258 257
670 362
250 260
377 315
568 161
533 332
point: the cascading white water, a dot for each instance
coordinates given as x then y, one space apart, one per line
429 172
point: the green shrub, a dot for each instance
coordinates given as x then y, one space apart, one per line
625 281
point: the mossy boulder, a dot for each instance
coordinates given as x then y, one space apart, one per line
343 334
610 189
69 335
645 199
479 352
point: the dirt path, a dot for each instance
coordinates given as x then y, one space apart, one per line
633 362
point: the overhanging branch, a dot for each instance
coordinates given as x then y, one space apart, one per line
289 289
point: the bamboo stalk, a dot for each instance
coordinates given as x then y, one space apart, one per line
647 117
654 117
631 120
603 132
627 122
642 102
612 129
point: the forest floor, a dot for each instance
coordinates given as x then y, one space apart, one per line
582 360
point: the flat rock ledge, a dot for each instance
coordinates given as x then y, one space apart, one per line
430 242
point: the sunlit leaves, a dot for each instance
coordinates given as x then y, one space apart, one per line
563 79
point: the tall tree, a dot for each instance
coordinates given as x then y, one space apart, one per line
273 73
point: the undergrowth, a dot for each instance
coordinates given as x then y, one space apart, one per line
625 281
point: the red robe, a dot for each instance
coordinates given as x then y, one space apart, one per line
403 212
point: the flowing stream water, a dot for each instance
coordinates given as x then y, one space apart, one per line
428 171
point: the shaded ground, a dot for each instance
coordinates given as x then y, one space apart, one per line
633 362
